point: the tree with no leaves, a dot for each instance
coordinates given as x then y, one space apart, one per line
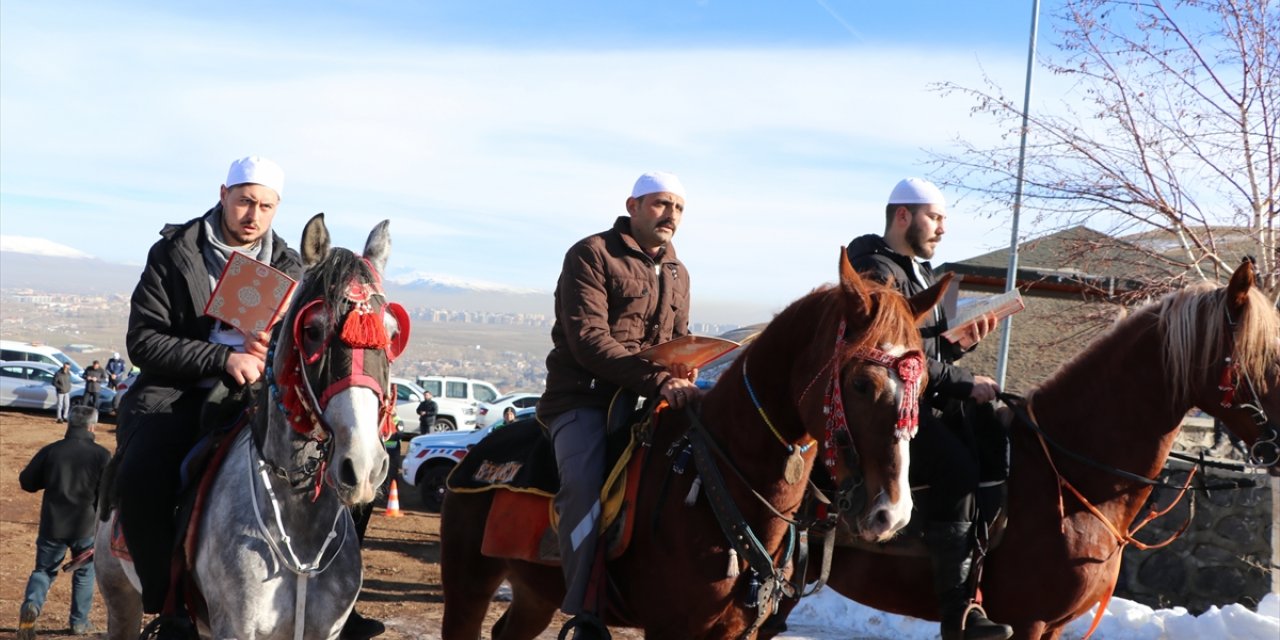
1174 137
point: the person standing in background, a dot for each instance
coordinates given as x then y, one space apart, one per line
115 370
427 411
68 471
93 378
62 388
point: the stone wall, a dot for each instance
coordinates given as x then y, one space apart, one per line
1225 555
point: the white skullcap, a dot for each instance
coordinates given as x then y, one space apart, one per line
916 191
256 170
657 182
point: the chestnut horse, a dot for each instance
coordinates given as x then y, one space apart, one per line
1118 403
776 399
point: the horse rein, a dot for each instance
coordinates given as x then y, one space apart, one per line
1022 408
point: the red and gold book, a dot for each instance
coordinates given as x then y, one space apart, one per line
693 351
250 295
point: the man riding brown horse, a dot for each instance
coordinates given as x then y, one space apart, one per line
943 457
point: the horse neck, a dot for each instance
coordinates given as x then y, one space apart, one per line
732 419
307 517
1113 404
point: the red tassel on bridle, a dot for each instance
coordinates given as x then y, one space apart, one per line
364 328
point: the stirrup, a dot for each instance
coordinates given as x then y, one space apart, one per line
992 629
584 626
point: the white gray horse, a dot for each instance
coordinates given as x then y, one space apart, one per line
277 554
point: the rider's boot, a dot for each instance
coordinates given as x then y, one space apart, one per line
962 618
358 627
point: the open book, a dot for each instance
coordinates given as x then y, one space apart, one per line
962 312
250 295
693 351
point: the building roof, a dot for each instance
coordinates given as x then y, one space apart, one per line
1079 261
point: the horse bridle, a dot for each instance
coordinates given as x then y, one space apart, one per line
362 330
838 439
1265 451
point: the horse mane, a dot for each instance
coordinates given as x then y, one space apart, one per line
1194 327
896 322
329 278
1195 323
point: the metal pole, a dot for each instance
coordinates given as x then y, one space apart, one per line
1002 361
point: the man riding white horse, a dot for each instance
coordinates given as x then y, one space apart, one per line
183 354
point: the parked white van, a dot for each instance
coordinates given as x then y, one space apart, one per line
17 351
456 399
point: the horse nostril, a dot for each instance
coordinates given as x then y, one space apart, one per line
347 476
882 518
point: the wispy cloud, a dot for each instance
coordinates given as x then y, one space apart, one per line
488 161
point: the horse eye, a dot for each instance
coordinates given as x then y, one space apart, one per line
863 386
314 328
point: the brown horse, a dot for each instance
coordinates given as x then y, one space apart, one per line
1119 403
672 579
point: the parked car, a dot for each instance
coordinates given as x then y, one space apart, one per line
456 399
408 396
18 351
122 387
433 456
27 385
488 413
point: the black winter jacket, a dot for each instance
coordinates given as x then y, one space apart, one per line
168 336
871 256
68 471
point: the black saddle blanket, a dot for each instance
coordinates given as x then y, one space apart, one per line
517 456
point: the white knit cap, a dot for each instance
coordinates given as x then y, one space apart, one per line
256 170
657 182
916 191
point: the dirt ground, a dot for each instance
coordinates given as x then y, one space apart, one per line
401 555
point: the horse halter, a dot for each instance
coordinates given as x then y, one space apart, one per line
371 352
1265 451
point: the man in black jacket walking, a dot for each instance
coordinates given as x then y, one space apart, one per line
943 457
68 471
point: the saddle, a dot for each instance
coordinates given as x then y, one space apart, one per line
224 415
517 463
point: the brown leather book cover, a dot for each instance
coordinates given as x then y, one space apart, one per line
250 295
693 351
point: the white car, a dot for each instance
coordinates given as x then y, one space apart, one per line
29 385
408 396
433 456
488 413
456 399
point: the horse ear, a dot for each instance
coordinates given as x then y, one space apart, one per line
854 287
315 241
378 247
1238 288
924 302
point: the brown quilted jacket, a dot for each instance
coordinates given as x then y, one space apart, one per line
612 301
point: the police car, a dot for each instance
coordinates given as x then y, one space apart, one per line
432 456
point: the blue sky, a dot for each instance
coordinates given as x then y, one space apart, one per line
495 134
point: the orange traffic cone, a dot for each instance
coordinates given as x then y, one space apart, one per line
393 502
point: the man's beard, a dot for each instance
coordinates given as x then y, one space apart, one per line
919 242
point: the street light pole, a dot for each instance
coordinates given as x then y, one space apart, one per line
1011 281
